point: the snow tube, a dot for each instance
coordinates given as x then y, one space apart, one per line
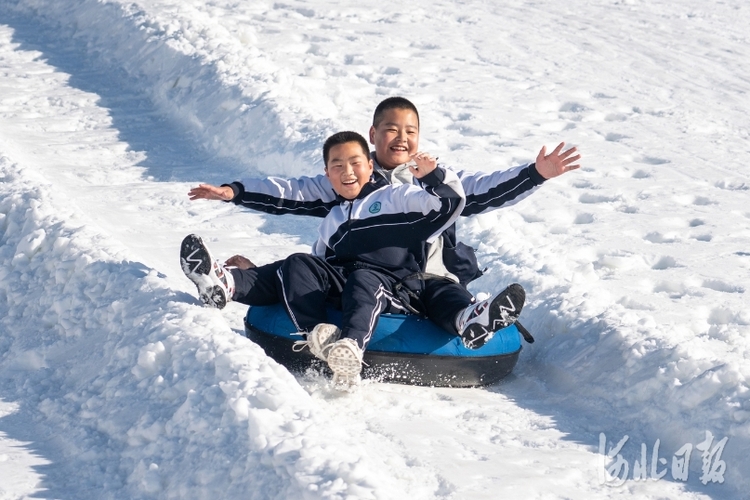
404 349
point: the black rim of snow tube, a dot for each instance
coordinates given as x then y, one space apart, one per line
402 368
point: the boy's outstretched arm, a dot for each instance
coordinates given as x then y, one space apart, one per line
209 192
312 196
557 162
486 191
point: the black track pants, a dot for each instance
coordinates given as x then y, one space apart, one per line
443 300
305 285
310 283
258 286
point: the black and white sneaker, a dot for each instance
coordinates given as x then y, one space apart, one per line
478 323
215 284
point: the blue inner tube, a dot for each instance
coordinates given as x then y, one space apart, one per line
404 349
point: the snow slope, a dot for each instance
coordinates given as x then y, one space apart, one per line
115 383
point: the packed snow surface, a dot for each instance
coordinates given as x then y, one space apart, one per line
116 383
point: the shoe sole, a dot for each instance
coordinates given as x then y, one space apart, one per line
196 262
345 365
511 301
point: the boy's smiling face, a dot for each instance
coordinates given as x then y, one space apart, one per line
396 137
349 169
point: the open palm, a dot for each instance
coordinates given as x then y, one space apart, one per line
556 163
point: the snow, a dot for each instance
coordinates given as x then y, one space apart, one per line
116 383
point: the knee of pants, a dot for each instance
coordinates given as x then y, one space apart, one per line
363 278
296 262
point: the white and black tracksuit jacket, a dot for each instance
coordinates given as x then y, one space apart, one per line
390 227
366 247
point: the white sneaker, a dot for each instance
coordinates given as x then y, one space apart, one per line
478 323
345 361
319 340
215 284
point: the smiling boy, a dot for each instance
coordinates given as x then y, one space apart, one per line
394 133
374 238
348 169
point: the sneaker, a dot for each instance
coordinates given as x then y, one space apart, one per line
215 284
478 323
345 361
319 340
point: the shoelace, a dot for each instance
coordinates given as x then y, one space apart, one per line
299 346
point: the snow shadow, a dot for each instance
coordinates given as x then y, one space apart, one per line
172 153
43 449
543 387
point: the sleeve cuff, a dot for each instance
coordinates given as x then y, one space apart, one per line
434 178
237 189
534 175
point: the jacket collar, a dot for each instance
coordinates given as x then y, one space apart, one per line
398 175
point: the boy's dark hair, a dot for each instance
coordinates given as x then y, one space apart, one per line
392 103
342 138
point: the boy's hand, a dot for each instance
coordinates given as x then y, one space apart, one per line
239 262
422 165
556 163
209 192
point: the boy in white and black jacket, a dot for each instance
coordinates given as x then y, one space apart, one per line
372 242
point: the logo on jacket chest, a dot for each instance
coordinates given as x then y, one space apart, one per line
374 208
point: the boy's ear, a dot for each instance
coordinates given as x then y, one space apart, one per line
372 134
325 169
